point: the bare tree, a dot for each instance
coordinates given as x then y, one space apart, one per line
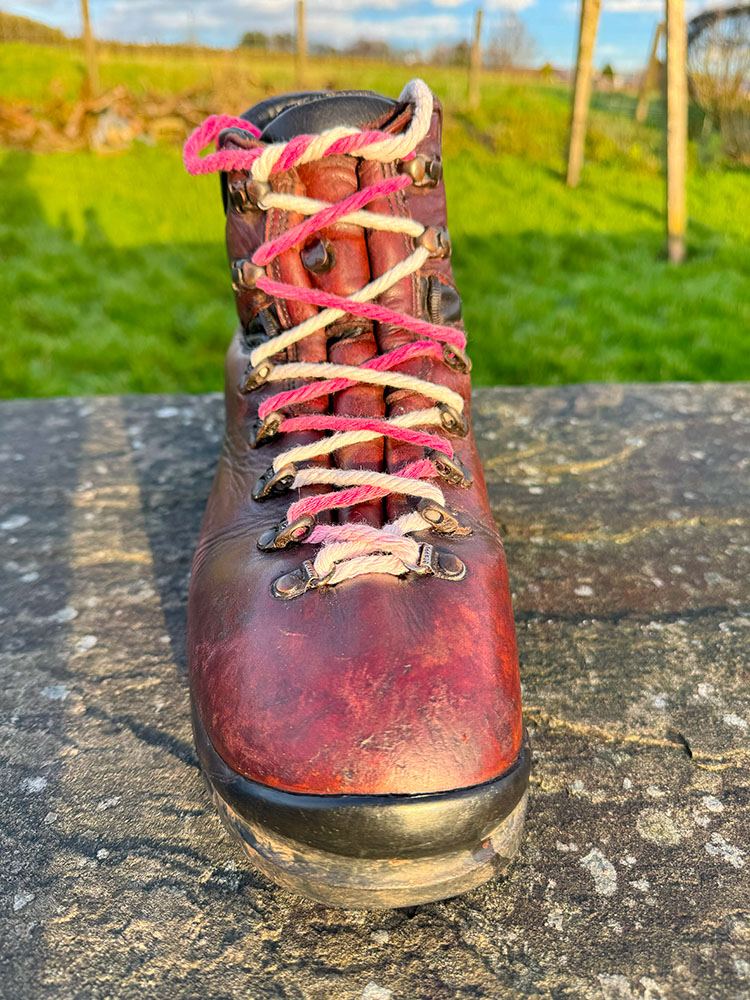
719 68
371 48
451 55
513 46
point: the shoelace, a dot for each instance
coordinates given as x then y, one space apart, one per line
352 549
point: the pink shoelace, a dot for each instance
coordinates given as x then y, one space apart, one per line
352 549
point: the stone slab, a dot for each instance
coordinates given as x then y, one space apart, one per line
626 516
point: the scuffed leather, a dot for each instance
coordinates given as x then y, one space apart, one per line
380 684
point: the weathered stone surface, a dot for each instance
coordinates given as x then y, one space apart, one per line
626 514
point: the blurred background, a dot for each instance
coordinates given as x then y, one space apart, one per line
113 274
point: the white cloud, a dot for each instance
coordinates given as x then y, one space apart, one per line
488 5
654 6
418 30
421 23
510 4
334 21
634 6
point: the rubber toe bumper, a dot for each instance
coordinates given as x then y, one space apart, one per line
372 851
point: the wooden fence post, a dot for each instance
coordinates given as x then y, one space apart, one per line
92 66
676 130
301 45
475 64
582 88
649 75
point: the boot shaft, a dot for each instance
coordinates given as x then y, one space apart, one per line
341 259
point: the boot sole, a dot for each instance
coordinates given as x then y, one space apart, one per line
372 851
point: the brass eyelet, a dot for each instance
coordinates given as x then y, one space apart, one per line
442 520
286 534
444 565
452 470
424 172
257 376
245 274
266 429
436 240
450 567
291 585
273 483
453 421
456 358
247 195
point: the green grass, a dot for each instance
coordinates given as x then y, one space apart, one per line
114 278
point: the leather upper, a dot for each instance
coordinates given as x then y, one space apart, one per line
379 684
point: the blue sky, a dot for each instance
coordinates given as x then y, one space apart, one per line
625 26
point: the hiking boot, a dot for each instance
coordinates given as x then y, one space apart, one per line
354 674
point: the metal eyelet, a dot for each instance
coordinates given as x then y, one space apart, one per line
257 376
450 567
245 274
424 172
452 470
456 359
436 240
262 326
285 534
273 483
317 256
444 565
453 421
248 195
442 520
291 585
442 303
266 429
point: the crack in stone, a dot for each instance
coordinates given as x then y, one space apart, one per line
629 615
623 537
732 757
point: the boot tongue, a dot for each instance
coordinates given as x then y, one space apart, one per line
327 111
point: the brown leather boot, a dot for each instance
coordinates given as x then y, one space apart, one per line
356 700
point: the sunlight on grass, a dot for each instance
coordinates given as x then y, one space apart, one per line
114 273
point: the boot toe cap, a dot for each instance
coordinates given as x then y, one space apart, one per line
380 685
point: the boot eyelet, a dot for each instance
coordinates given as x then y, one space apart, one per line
261 327
247 196
245 274
424 172
444 565
291 585
436 241
285 535
456 358
453 421
273 483
317 256
265 429
442 520
442 303
452 470
435 171
257 376
450 567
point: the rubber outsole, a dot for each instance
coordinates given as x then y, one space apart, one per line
372 851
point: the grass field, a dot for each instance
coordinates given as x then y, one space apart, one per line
114 278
